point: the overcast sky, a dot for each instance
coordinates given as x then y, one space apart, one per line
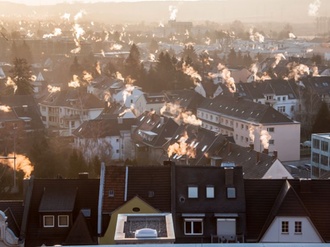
47 2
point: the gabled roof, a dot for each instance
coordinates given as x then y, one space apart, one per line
150 183
267 198
86 197
153 129
73 98
254 164
80 233
188 100
239 108
14 212
101 128
203 142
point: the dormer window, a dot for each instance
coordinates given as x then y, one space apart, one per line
210 191
231 192
63 221
48 221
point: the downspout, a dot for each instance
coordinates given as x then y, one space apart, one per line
101 192
126 184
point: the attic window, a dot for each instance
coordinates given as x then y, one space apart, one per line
142 118
192 192
204 148
231 193
63 220
48 221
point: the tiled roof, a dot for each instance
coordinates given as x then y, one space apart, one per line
267 198
240 108
74 98
86 198
14 212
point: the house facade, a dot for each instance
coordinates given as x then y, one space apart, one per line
64 111
252 123
320 154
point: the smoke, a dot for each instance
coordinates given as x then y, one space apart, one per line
119 76
189 70
278 57
74 82
11 83
227 79
65 16
87 76
53 89
22 164
98 68
56 32
264 138
251 133
256 36
180 116
127 91
181 147
189 118
5 108
173 11
313 8
315 70
292 36
296 71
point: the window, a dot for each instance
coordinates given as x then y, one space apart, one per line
297 227
193 192
281 109
283 98
63 220
324 146
270 129
48 220
324 160
72 124
193 226
292 108
315 157
271 142
231 192
316 143
111 193
209 192
285 226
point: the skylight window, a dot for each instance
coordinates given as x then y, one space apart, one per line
204 148
142 118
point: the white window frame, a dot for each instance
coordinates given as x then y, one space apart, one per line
191 221
44 221
59 221
209 191
297 226
283 227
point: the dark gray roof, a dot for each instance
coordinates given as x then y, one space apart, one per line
239 108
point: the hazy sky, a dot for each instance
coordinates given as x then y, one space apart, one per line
47 2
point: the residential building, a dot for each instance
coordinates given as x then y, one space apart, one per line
320 154
149 102
252 123
287 211
60 212
108 138
64 111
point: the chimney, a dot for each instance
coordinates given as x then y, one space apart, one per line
258 157
120 120
265 151
229 176
168 163
216 161
275 154
251 146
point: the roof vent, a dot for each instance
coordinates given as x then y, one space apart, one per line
146 233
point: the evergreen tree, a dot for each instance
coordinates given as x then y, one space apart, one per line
77 164
133 64
232 58
322 120
166 72
189 55
22 76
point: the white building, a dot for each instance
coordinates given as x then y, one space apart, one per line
252 123
320 154
64 111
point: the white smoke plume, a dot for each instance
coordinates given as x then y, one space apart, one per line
313 8
256 36
189 118
173 11
74 82
264 138
22 163
5 108
296 71
65 16
11 83
181 147
251 133
227 79
53 89
56 32
189 70
278 58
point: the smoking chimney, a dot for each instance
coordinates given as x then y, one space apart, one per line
265 151
275 154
